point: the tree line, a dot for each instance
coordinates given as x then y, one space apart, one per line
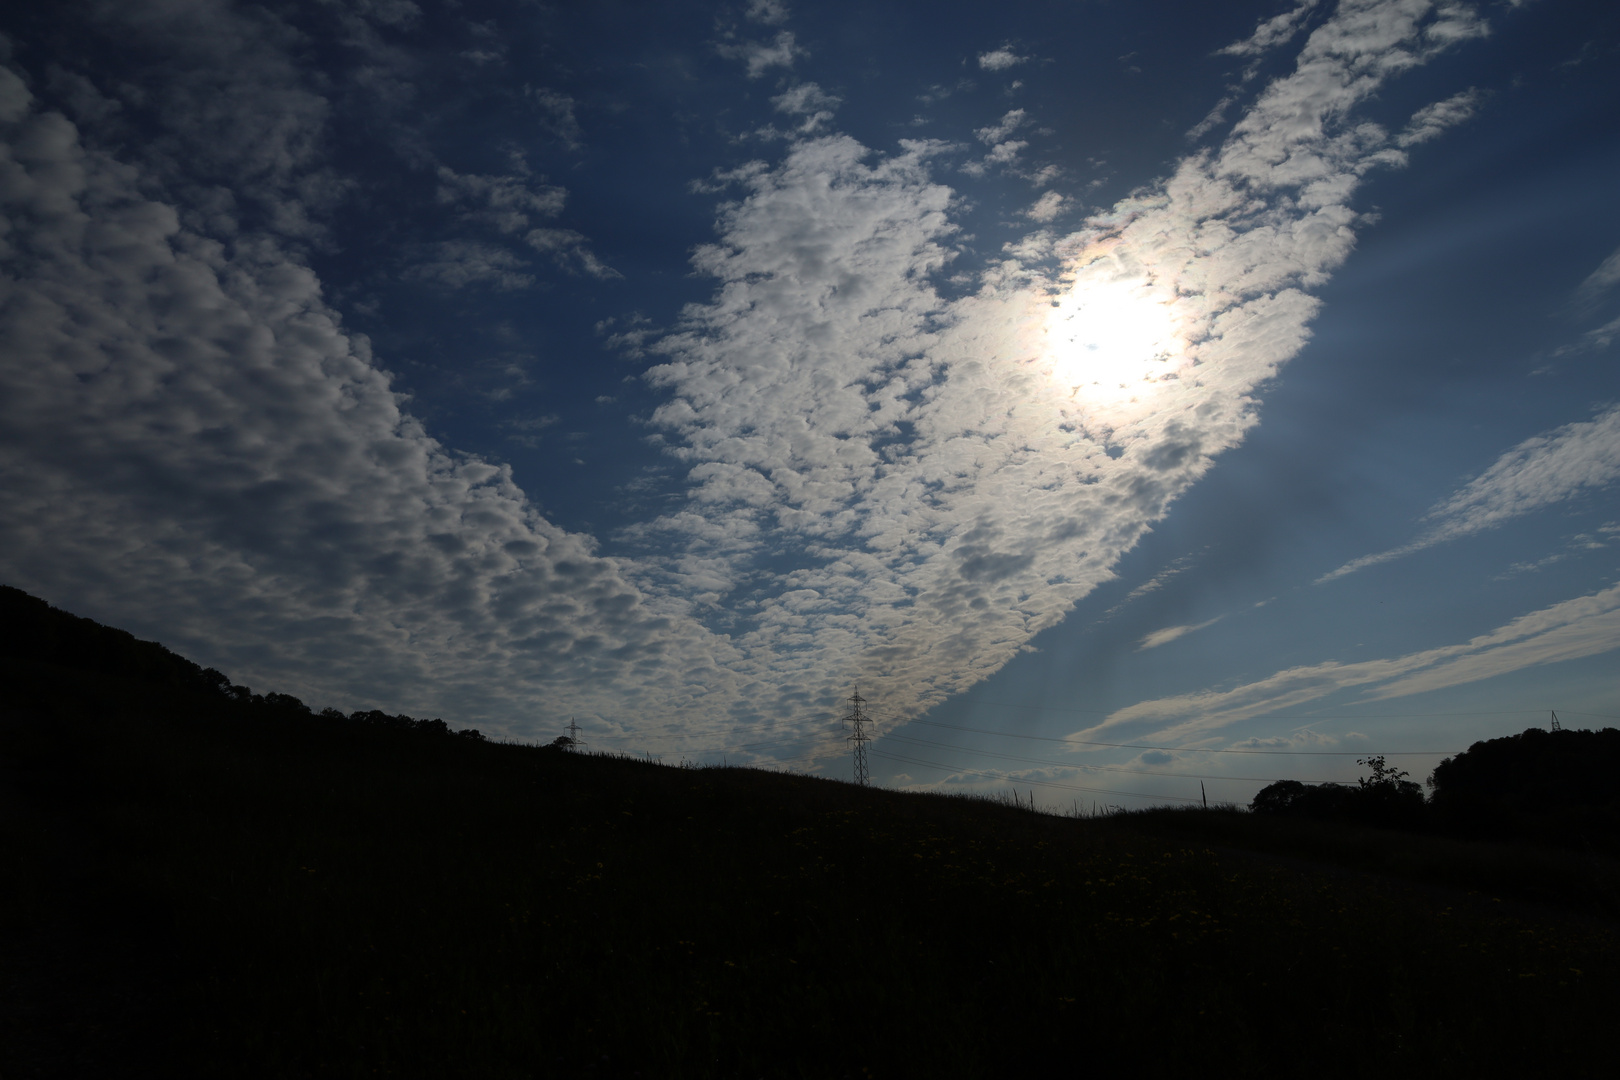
1558 788
34 632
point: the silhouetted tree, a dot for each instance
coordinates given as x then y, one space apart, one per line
1278 798
1560 788
1387 797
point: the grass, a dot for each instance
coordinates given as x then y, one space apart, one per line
1576 882
309 900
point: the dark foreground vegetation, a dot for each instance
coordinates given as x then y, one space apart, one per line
202 882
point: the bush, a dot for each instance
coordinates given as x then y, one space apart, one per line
1386 799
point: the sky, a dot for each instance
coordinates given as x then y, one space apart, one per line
1137 402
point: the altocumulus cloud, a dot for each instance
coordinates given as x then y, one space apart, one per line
906 488
884 483
193 442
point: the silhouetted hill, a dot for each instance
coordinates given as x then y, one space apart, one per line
64 662
31 630
213 886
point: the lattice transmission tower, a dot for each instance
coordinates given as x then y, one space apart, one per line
856 722
574 741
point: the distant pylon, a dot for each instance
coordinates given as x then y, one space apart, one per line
573 735
1555 721
856 721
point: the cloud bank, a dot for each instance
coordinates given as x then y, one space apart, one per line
883 484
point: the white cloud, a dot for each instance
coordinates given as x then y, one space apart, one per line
947 478
1213 119
760 57
1000 59
1539 472
805 98
195 444
14 97
808 100
1171 633
882 483
1047 207
507 204
504 202
1571 630
1005 153
570 250
1046 174
1002 128
769 12
229 104
1599 281
459 263
1271 32
557 112
1431 121
1601 338
403 14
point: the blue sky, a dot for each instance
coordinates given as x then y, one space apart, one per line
1107 388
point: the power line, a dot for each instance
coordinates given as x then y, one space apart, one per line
1027 780
1076 765
677 732
1187 749
681 731
1285 716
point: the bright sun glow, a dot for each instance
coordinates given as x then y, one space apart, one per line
1112 340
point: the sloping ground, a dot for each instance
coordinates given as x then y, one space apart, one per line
331 909
210 887
1555 882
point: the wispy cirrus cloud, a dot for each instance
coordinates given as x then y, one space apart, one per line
1434 120
1171 633
1600 281
1540 472
1571 630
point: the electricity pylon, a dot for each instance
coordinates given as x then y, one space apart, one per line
856 721
574 742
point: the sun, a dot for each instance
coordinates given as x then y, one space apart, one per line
1112 340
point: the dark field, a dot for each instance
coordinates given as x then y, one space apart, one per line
222 891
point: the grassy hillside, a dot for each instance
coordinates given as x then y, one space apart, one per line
230 889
